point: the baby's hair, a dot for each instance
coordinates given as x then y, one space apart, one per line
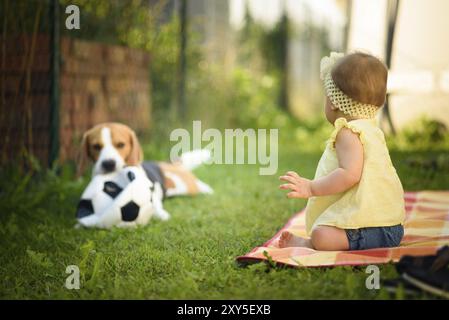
362 77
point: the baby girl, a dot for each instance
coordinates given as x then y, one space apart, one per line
355 201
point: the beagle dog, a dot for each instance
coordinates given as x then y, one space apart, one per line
113 146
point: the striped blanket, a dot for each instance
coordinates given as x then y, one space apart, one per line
426 229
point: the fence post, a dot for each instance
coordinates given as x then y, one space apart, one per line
392 15
182 59
54 78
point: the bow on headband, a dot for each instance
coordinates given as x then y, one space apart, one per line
327 63
338 98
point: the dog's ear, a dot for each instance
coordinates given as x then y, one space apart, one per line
83 156
136 154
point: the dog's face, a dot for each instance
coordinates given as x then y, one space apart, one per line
111 146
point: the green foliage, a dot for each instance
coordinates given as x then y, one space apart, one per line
274 44
24 16
420 135
191 256
137 25
253 102
249 39
128 22
311 135
250 95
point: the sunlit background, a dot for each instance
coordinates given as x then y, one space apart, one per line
159 64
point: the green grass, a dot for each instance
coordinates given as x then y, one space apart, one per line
192 256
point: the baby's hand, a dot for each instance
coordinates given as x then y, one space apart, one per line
300 187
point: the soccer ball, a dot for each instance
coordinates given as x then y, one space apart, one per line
124 199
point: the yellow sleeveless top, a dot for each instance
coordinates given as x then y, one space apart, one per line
377 200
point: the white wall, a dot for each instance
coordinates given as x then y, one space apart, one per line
419 75
368 26
421 47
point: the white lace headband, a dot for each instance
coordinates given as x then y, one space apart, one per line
338 98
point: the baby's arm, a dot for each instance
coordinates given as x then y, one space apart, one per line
350 158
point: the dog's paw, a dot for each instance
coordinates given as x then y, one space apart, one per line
89 221
162 215
204 187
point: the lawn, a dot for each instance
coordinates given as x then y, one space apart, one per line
192 256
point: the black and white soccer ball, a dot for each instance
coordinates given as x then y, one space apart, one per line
124 199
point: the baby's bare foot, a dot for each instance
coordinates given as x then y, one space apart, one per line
288 239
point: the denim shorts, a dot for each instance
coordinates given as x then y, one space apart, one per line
375 237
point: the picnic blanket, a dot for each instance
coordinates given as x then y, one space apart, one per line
426 229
